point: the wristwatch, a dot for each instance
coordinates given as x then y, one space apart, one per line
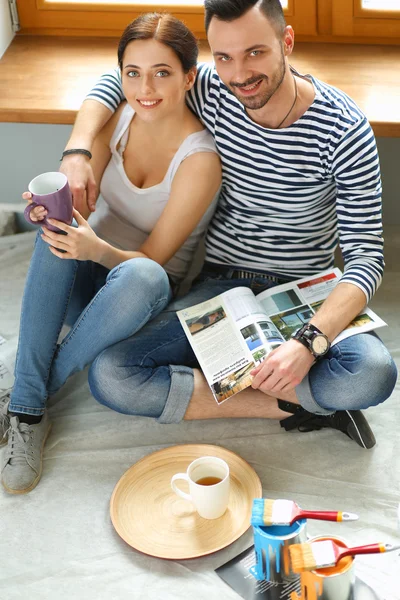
313 339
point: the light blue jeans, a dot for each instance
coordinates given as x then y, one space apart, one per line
151 373
101 306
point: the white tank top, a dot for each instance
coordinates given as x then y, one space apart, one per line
125 214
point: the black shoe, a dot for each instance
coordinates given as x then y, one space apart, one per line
351 422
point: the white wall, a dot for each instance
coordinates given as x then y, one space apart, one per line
6 32
27 149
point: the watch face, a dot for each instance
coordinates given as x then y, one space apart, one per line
320 344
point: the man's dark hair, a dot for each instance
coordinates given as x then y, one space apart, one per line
230 10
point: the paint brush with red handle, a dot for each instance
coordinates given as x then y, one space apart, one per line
326 553
285 512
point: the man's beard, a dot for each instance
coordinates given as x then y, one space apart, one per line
261 99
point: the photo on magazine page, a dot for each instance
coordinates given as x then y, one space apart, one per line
292 305
232 383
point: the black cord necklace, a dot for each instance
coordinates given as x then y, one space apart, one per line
294 102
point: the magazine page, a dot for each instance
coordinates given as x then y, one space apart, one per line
236 573
230 335
7 362
293 304
257 329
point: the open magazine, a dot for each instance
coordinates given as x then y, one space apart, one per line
235 331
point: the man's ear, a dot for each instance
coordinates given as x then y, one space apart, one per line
288 40
190 78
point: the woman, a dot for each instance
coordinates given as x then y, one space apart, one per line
160 176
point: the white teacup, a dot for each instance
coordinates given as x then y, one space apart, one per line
208 479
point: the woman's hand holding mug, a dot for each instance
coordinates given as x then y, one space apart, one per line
79 243
37 213
50 205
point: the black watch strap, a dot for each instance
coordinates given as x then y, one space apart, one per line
302 340
307 335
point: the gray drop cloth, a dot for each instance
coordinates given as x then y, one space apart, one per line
58 543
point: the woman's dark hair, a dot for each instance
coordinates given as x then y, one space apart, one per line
167 30
230 10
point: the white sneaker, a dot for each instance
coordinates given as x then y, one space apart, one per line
23 456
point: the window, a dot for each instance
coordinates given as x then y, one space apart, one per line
366 19
388 9
109 17
99 17
381 4
359 21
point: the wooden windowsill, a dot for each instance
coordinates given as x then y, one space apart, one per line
45 79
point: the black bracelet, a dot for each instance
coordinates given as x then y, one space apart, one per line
76 151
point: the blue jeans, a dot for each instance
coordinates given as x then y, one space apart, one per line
151 373
101 306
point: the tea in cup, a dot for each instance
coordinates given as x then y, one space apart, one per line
208 479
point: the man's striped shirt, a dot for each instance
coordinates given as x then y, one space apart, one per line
289 195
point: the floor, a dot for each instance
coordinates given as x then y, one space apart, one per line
58 541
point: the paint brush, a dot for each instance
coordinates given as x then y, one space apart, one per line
326 553
286 512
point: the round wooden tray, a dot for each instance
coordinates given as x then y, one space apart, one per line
151 518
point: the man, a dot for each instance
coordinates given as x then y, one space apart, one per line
300 169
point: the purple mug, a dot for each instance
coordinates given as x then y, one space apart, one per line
51 190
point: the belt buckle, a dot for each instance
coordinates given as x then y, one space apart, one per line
266 276
251 274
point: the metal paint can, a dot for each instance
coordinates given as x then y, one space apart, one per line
271 545
332 583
